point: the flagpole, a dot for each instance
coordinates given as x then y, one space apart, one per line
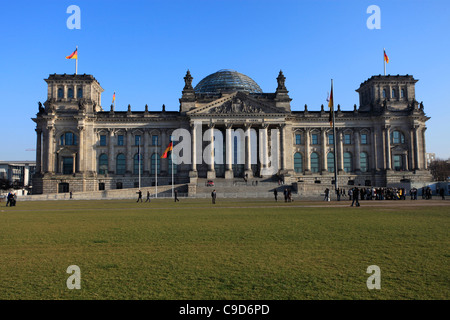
334 145
384 60
76 62
171 155
156 173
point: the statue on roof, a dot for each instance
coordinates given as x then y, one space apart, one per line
281 81
188 81
41 108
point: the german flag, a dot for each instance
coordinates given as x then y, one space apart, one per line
166 153
330 105
114 96
74 55
386 58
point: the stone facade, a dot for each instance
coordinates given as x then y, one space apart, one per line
81 147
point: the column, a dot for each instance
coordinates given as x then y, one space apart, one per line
424 150
111 157
405 162
282 149
357 156
374 150
51 149
46 150
387 136
324 150
211 174
412 165
229 152
74 161
307 151
340 155
263 150
38 150
81 150
416 147
248 151
193 148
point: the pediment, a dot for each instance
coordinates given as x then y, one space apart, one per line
237 104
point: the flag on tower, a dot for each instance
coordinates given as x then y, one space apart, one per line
114 97
74 55
386 58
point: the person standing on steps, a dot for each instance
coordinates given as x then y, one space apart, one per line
213 196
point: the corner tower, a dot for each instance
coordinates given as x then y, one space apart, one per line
395 92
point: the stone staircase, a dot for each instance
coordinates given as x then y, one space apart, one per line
257 188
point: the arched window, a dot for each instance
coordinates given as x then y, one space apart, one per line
402 93
174 164
70 93
394 93
348 167
384 93
155 163
80 93
330 162
397 137
136 164
60 93
103 164
121 163
298 162
314 162
364 162
68 139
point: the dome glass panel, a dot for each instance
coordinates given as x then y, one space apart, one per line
227 81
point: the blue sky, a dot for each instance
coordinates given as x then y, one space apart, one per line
142 49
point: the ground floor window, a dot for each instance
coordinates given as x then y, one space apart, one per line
63 187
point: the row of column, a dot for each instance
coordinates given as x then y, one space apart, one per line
229 152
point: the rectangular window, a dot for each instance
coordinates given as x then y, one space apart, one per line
137 140
347 138
298 139
120 140
103 140
331 138
154 140
398 162
402 93
67 165
364 138
314 139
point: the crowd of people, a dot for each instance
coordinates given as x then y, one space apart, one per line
385 193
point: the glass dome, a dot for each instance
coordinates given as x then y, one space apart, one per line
227 81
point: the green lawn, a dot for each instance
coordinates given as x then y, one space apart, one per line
236 249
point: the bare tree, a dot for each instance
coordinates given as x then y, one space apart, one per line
440 169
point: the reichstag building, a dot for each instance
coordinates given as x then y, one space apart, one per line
83 146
